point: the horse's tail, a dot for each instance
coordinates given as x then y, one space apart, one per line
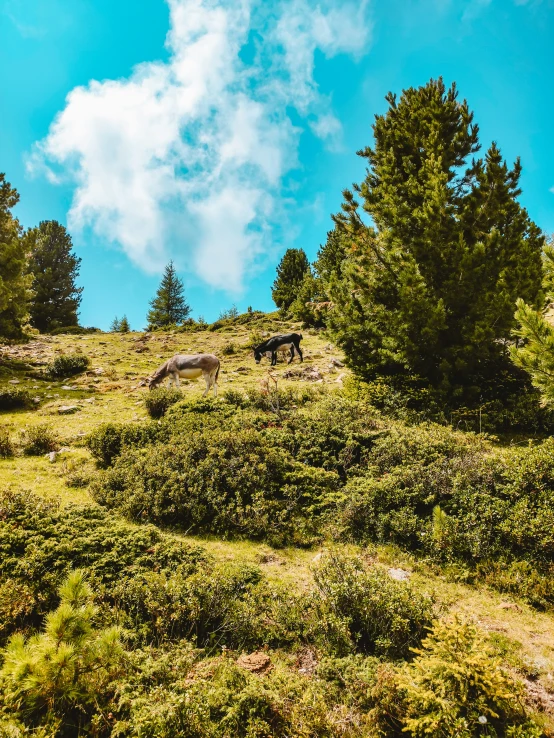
217 370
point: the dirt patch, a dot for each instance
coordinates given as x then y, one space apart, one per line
257 662
539 697
307 662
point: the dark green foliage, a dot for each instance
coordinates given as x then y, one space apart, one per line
159 400
169 307
14 399
221 482
431 288
366 611
40 543
14 281
74 330
290 274
54 268
107 440
68 366
39 440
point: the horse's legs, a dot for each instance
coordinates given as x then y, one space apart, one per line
176 378
207 380
299 352
273 358
291 353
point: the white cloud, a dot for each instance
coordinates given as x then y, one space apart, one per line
187 158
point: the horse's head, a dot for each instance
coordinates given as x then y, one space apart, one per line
258 355
153 382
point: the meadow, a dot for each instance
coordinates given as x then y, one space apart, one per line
301 556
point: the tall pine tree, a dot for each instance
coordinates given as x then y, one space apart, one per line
54 268
169 307
14 281
430 287
290 274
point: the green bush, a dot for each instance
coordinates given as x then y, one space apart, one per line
14 399
457 686
40 543
67 366
7 447
108 440
158 401
219 699
363 609
39 440
229 349
73 330
220 482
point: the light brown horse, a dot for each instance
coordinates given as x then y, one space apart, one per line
188 366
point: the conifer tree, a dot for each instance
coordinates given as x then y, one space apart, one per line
169 307
54 268
430 286
124 326
290 275
14 281
62 672
115 325
535 354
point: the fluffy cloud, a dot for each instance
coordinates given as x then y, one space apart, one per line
187 158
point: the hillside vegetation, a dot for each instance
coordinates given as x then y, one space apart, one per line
263 563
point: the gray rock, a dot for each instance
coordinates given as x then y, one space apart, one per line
68 409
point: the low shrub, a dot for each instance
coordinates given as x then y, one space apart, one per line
158 401
39 439
7 446
229 349
14 399
40 543
220 699
107 441
363 609
74 330
67 366
233 482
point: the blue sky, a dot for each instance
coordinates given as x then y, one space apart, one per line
219 133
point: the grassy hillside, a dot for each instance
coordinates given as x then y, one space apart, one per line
251 616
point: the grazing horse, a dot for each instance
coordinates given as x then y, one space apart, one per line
189 366
277 343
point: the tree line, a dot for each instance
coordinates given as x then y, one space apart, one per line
38 272
433 270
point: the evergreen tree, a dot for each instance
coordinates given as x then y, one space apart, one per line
430 287
124 326
536 352
290 274
331 256
115 326
64 672
169 307
14 281
54 268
